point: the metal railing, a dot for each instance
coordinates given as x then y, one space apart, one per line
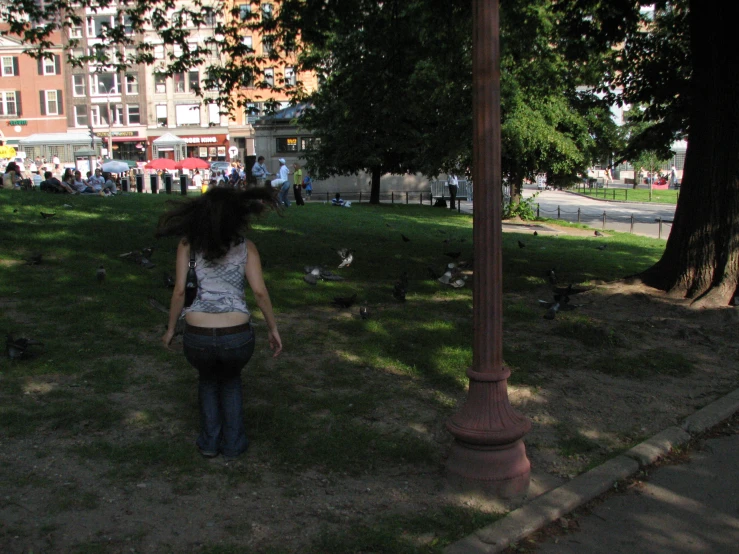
602 218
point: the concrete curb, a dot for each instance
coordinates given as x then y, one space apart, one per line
556 503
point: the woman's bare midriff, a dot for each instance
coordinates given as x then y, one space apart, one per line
228 319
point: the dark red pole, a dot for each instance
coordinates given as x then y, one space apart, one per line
488 452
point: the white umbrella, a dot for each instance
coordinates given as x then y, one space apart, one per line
115 166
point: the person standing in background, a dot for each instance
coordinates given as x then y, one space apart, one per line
298 184
453 183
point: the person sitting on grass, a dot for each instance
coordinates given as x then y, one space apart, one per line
337 200
81 186
52 184
109 187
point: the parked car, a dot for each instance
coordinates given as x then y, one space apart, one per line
219 166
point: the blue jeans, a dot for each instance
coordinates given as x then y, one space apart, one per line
283 196
219 361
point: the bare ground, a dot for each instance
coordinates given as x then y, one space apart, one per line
53 500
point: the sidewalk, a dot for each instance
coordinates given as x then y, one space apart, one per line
691 507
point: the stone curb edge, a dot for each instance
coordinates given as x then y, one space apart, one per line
558 502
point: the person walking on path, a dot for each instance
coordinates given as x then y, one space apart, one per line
282 184
298 184
218 340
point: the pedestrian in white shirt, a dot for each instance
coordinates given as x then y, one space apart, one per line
283 184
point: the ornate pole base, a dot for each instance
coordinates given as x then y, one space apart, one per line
489 454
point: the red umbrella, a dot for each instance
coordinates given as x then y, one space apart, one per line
161 163
193 163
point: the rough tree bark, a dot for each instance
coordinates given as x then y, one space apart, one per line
375 186
701 258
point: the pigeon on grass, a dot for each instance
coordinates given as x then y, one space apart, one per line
18 349
347 257
345 301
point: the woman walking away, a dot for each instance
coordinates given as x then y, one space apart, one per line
219 340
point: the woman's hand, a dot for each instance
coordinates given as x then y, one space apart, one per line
275 343
167 338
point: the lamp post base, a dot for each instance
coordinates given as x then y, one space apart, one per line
501 471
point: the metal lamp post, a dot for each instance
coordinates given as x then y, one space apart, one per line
488 453
110 123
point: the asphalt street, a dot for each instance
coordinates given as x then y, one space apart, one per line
618 214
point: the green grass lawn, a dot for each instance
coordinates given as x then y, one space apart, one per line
641 194
102 371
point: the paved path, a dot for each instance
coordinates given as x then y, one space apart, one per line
618 214
688 508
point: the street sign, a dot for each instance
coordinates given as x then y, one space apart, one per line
233 152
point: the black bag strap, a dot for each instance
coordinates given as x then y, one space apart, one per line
192 263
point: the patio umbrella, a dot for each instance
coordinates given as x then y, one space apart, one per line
193 163
115 166
161 163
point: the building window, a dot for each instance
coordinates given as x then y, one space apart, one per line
96 24
104 84
160 84
267 11
134 115
267 46
75 30
80 115
290 76
187 114
9 66
193 80
95 116
214 115
179 82
9 103
132 83
308 143
49 66
244 11
248 42
49 102
287 144
159 52
269 76
162 120
78 85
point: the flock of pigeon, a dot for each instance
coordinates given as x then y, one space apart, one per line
452 276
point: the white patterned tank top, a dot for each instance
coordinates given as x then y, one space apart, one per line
221 283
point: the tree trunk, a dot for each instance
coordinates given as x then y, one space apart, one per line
375 187
701 258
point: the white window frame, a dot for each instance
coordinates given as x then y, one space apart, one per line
158 51
75 31
49 66
187 114
116 115
50 96
248 41
137 111
81 109
132 86
78 81
95 116
162 113
214 114
290 76
8 71
95 85
269 76
4 95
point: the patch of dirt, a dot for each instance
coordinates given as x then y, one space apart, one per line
52 499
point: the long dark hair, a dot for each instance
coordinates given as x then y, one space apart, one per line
215 220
